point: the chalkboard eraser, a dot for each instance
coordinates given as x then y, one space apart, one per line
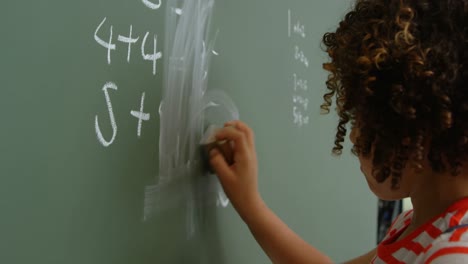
209 142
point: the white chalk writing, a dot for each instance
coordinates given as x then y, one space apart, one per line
152 5
299 56
140 115
108 45
155 56
300 99
112 44
129 40
300 83
101 139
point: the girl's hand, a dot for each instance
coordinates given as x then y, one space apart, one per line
239 180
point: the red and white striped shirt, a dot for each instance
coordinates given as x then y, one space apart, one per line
434 242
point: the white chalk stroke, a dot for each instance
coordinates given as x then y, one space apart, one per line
140 115
300 86
155 56
298 28
188 107
301 100
223 200
129 40
153 5
108 45
300 56
300 83
300 119
104 142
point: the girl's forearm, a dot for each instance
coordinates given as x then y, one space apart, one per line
280 243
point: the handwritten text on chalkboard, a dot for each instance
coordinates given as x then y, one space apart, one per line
154 56
112 43
300 87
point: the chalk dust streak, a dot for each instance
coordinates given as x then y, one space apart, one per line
186 110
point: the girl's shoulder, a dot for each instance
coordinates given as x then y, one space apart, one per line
450 247
444 239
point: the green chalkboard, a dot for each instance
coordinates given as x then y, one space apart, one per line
82 150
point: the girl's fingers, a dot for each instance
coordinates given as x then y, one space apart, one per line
229 123
236 136
244 128
220 166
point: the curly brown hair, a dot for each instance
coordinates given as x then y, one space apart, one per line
397 72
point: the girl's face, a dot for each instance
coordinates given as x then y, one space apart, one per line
384 189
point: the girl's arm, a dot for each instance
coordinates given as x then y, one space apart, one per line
239 181
279 242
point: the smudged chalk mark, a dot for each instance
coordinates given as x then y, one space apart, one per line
160 108
186 109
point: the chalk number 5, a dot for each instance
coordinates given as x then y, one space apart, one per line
104 142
